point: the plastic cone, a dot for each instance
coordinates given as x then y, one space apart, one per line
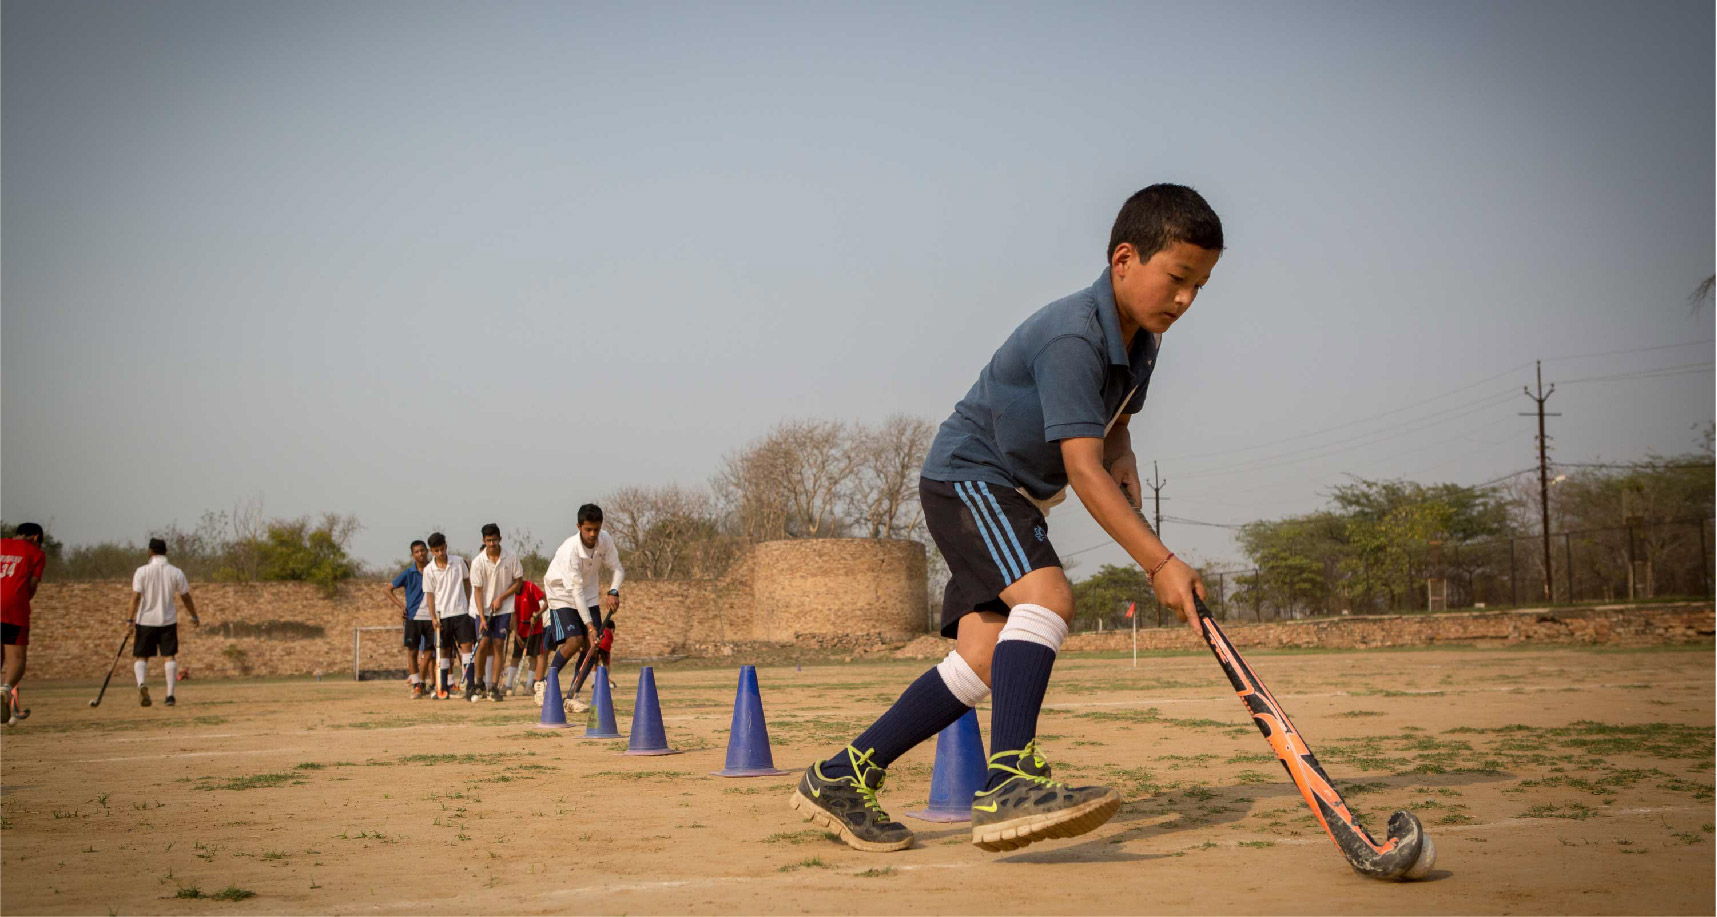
748 752
601 722
554 714
961 766
648 736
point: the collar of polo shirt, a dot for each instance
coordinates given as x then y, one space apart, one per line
1109 316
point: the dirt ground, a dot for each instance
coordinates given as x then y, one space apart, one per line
1554 781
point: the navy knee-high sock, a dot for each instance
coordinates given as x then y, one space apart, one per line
924 709
1019 675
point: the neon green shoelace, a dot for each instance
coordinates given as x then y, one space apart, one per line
861 763
1030 750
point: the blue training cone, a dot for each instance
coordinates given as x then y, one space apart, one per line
648 736
554 713
748 752
961 767
601 722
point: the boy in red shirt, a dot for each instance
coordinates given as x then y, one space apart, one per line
526 606
22 564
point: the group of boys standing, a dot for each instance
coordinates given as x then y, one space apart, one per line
478 609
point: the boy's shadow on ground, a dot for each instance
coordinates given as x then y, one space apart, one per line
1224 808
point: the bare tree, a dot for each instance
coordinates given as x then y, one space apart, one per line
791 483
887 461
665 530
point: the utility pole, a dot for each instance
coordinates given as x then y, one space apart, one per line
1543 472
1156 484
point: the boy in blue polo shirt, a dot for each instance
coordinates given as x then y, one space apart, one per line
419 630
1050 409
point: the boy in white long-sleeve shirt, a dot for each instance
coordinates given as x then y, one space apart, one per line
571 585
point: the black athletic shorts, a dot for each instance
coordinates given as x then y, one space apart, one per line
529 646
15 634
566 623
457 630
419 634
990 536
155 641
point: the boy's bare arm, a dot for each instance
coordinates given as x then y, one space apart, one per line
1175 582
1119 459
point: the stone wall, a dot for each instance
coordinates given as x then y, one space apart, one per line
269 628
818 594
1613 625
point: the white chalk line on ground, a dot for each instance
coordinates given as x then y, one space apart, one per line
1072 705
714 881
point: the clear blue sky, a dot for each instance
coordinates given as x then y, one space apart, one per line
443 264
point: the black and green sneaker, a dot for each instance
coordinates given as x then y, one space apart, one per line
1029 807
847 805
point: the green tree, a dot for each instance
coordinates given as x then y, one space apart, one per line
1106 592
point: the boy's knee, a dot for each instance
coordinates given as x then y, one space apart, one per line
1045 586
978 660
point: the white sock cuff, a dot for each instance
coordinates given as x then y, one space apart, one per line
446 663
141 667
465 658
961 680
1035 624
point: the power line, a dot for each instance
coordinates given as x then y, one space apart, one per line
1612 353
1454 391
1345 424
1680 369
1646 466
1362 440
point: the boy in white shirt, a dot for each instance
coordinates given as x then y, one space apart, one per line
153 588
496 577
445 580
571 585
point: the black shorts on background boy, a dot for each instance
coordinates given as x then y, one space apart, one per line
1049 410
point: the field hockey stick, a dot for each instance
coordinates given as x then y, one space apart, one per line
111 669
1407 854
436 688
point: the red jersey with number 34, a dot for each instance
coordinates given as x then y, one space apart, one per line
20 562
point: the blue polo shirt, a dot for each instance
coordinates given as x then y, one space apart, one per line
1064 373
411 579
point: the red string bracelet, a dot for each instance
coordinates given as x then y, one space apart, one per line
1156 569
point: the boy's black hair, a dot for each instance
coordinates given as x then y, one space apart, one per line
28 530
491 529
589 512
416 543
437 540
1160 216
158 546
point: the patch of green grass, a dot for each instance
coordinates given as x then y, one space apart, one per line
233 893
1151 715
253 782
495 757
801 837
189 891
1351 714
876 873
809 863
1574 810
1257 843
